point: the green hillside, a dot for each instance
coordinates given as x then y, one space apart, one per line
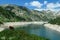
55 21
13 13
7 16
18 35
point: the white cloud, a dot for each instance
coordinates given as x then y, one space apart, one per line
36 4
52 5
45 2
39 9
57 5
46 9
26 4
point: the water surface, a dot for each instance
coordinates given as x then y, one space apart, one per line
41 30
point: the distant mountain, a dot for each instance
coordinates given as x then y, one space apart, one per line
10 13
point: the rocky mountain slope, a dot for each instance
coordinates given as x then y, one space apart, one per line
10 13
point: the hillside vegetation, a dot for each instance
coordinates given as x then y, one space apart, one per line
14 13
7 16
18 35
55 21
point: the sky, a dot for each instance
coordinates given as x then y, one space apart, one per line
35 4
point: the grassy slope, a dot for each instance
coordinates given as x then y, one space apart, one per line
19 35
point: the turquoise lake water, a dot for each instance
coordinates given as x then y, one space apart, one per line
40 30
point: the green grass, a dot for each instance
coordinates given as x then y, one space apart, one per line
9 34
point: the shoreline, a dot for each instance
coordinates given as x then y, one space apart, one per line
53 27
14 24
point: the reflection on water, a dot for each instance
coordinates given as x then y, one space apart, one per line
40 30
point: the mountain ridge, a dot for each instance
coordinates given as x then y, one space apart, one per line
22 13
